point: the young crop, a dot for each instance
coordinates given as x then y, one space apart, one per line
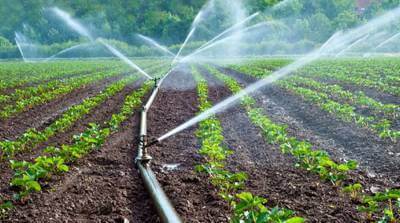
345 112
337 93
64 88
28 175
316 161
246 207
5 206
33 137
389 200
251 209
354 190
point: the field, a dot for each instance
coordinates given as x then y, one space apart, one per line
321 145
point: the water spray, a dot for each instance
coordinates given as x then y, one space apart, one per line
157 45
17 41
124 58
223 40
337 42
79 28
352 45
71 22
232 28
67 50
388 40
183 45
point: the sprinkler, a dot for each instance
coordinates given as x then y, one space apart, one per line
156 79
145 157
153 142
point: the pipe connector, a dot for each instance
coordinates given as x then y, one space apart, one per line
143 156
156 82
152 142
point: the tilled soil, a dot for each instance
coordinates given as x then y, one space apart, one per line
100 114
89 174
41 116
371 92
273 174
102 187
105 187
379 158
192 195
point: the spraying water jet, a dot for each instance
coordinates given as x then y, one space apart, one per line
79 28
155 44
337 42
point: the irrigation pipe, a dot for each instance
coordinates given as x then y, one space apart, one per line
163 205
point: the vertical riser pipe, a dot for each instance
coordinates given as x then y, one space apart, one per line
164 207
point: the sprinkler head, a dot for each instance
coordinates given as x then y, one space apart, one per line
144 157
155 79
153 142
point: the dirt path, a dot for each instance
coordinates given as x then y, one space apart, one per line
41 116
102 187
273 174
192 195
379 158
100 114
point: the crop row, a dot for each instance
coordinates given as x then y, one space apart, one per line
345 112
30 96
32 137
326 96
17 74
26 103
246 207
386 204
317 161
56 160
20 74
382 70
380 74
42 89
335 91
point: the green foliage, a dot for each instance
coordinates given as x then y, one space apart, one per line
28 175
387 203
169 21
246 207
317 161
5 206
354 190
251 209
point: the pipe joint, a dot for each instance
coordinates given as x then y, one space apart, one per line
143 155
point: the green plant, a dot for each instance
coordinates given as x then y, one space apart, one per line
251 209
354 190
5 206
228 183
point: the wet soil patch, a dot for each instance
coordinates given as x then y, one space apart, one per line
273 175
41 116
102 187
100 114
370 92
380 158
194 198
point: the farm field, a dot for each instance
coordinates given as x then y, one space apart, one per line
321 145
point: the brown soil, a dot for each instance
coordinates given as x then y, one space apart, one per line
102 187
192 195
273 174
342 140
105 187
41 116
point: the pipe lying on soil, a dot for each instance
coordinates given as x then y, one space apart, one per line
164 207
